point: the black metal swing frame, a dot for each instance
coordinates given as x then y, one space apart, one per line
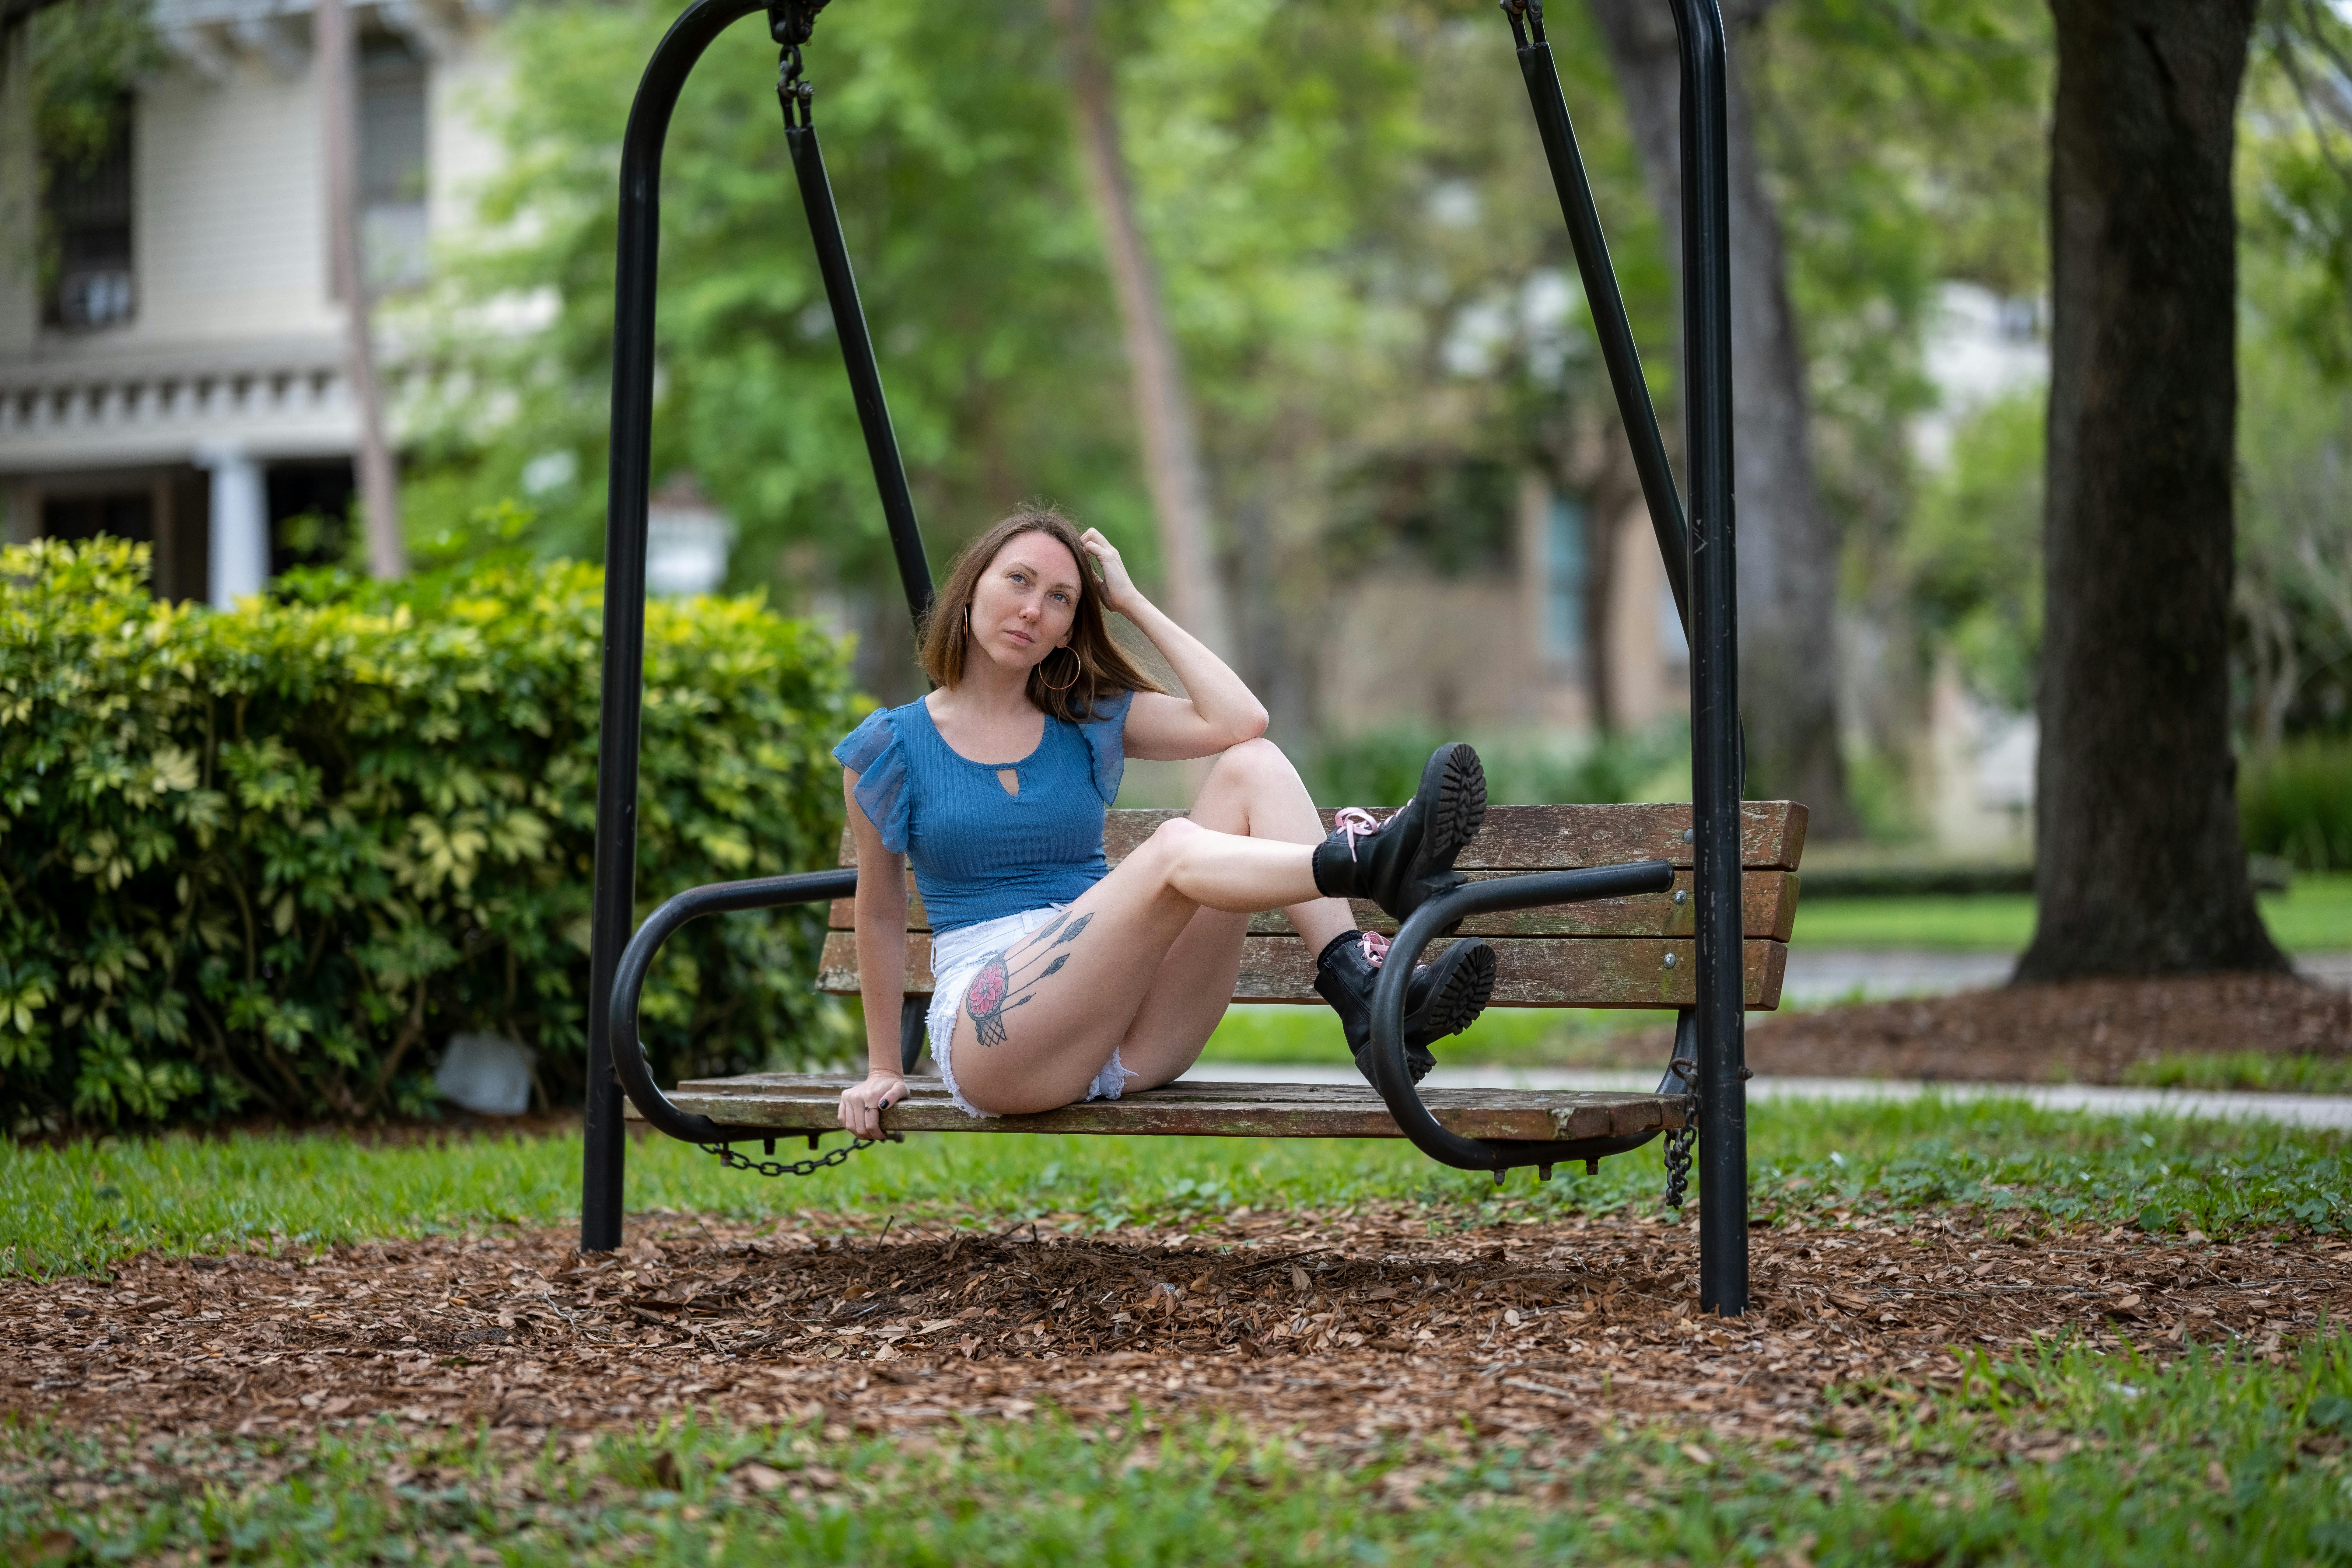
1697 552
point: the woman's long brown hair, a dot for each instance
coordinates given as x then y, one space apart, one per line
1104 668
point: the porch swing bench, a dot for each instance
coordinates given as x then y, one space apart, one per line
1587 906
1632 950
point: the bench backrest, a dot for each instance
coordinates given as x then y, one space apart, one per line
1618 953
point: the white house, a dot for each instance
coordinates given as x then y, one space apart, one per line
178 375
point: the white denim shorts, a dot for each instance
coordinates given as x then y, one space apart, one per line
957 957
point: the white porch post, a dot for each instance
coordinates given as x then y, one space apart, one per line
240 526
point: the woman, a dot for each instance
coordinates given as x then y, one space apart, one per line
1057 980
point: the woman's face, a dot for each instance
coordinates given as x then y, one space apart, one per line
1024 603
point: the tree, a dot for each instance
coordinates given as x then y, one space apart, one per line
997 339
2140 868
1165 423
1788 546
1905 148
2293 591
336 54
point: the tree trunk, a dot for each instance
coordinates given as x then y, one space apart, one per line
2139 867
1173 471
338 67
1788 547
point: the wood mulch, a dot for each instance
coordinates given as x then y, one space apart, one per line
1349 1329
2085 1032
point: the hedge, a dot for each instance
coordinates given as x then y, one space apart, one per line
2297 804
269 861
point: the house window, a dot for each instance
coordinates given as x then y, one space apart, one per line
87 204
129 514
392 166
1566 567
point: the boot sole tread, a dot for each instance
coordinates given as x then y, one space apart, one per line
1465 983
1461 804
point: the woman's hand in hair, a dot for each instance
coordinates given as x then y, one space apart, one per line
1118 588
863 1105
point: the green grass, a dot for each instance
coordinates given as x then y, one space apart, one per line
1988 922
71 1208
2313 915
2061 1457
1545 1036
2246 1070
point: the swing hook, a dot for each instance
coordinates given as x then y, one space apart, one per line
791 22
795 95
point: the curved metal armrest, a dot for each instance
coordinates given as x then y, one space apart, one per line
1395 1084
629 1064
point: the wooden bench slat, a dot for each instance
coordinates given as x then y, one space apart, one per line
1768 909
807 1102
1530 971
1551 838
1182 1089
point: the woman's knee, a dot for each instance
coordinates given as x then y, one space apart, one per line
1257 755
1250 763
1165 848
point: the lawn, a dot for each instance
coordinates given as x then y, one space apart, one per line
2061 1455
71 1208
2082 1449
2313 915
1274 1034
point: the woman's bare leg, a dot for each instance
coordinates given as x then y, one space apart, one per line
1073 991
1254 790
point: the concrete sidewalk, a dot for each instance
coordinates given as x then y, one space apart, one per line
2325 1110
1818 976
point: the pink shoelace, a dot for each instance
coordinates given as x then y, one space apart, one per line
1357 823
1376 948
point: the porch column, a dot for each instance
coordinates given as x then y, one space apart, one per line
240 526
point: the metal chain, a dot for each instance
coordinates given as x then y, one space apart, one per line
796 95
1679 1140
734 1161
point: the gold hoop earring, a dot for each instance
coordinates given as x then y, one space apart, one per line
1077 667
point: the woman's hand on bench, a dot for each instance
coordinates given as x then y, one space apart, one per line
862 1106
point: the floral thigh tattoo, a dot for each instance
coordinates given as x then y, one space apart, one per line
1005 981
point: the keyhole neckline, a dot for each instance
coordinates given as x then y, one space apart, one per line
994 768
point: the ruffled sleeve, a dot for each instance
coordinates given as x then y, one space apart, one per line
874 752
1106 735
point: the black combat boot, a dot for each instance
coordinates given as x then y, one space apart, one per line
1408 859
1443 998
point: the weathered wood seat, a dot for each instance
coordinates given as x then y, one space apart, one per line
807 1102
1635 952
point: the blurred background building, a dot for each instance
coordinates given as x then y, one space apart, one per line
173 371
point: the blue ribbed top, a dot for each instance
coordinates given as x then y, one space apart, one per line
978 853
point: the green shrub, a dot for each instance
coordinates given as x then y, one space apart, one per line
1382 767
2298 805
270 860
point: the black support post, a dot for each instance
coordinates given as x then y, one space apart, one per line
630 474
1716 783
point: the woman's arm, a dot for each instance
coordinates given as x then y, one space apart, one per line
1218 709
881 906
